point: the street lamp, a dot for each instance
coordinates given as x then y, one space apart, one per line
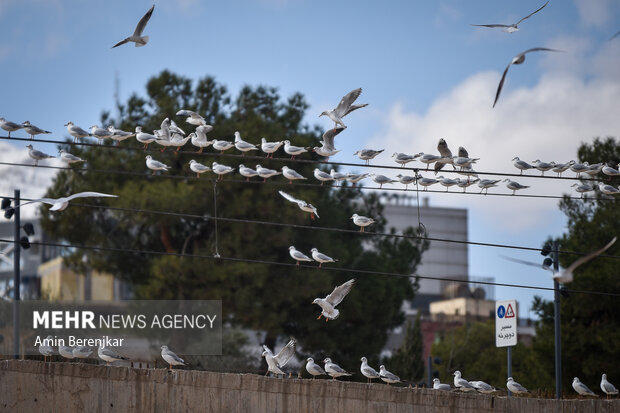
555 260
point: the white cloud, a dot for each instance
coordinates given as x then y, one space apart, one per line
594 12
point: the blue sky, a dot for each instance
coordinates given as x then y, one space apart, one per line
426 74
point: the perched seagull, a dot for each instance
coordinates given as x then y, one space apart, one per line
406 179
303 205
583 188
542 166
329 303
247 172
468 171
108 355
33 130
144 137
82 352
61 204
582 389
517 60
382 179
446 155
607 387
242 145
403 158
66 352
345 107
515 387
199 138
137 37
561 167
460 383
609 190
362 221
322 176
466 183
595 169
324 152
37 155
428 158
9 126
485 184
275 363
178 140
426 182
566 276
386 376
355 178
221 170
266 172
100 133
198 168
437 385
514 185
270 147
609 171
69 158
337 176
293 150
298 255
482 387
578 168
320 257
313 368
463 160
291 174
447 182
222 145
368 371
334 370
511 28
46 350
193 118
154 165
328 138
171 358
118 135
367 154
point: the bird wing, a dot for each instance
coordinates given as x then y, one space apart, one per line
443 149
354 107
463 152
122 42
348 99
533 264
289 197
609 388
591 255
185 112
541 49
286 353
49 201
340 292
174 356
501 83
87 195
328 137
491 25
531 14
112 354
615 35
143 21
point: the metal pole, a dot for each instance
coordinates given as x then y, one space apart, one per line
556 316
509 361
16 277
429 372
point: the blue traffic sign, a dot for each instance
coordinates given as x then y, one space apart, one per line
501 311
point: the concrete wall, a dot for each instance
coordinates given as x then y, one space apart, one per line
34 386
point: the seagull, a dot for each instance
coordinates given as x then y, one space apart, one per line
171 358
329 303
368 371
303 205
355 178
275 363
482 387
324 152
578 168
583 188
270 147
119 135
485 184
405 179
33 130
222 145
466 183
511 28
609 190
428 158
426 182
266 172
382 179
109 356
198 168
566 276
322 176
247 172
607 387
291 174
9 126
337 176
615 35
221 170
334 370
298 255
446 155
594 169
437 385
463 160
460 383
69 158
37 155
154 165
242 145
60 204
293 150
403 158
66 352
199 138
320 257
345 107
514 185
388 377
561 167
609 171
362 221
193 118
447 182
468 171
144 137
515 387
542 166
46 350
137 37
517 60
328 138
367 154
100 133
82 352
582 389
313 368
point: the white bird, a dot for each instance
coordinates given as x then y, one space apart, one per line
137 37
277 362
66 352
221 145
329 303
368 371
144 137
337 176
266 172
406 179
324 152
466 183
313 368
69 158
386 376
517 60
220 170
298 255
9 126
460 383
515 387
542 166
270 147
463 161
61 204
583 188
426 182
609 190
437 385
334 370
178 140
171 358
82 352
345 107
198 168
446 155
119 135
155 165
247 172
382 179
37 155
367 154
303 205
109 356
595 169
485 184
427 158
362 221
242 145
607 387
320 257
582 389
609 171
355 178
561 167
447 182
100 133
174 128
328 139
511 28
199 138
33 130
514 185
293 150
403 158
291 174
193 118
322 176
46 349
482 387
469 171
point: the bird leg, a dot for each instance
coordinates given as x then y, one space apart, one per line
326 319
200 150
319 317
197 175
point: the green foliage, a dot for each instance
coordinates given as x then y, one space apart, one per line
408 360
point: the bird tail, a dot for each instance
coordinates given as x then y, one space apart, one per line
145 40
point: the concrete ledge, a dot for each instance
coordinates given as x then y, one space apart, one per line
34 386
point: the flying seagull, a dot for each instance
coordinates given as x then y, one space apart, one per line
345 107
446 155
303 205
275 363
511 28
61 204
517 60
328 138
329 303
137 37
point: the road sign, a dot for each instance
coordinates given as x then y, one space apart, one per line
505 323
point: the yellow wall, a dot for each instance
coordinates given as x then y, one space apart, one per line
59 283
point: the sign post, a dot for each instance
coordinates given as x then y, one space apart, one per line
506 328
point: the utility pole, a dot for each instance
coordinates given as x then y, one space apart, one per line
556 317
16 277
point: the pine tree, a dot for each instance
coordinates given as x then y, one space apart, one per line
408 360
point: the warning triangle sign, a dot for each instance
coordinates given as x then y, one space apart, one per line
510 312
